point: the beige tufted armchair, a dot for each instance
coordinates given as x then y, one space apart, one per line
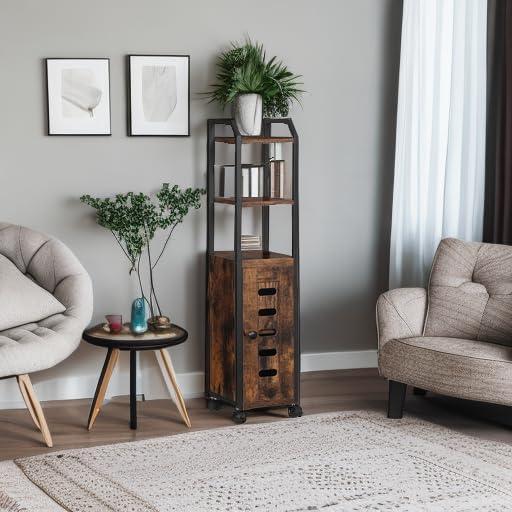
45 303
455 339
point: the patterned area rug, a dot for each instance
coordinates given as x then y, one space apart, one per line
348 461
8 504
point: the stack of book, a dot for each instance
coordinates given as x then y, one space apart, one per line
251 243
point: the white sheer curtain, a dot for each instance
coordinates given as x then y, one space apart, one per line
440 140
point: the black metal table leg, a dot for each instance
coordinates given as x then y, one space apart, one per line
133 389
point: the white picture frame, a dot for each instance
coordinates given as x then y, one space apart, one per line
159 95
78 96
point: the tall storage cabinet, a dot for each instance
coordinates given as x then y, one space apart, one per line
252 311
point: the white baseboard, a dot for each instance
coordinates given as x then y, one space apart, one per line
152 385
338 360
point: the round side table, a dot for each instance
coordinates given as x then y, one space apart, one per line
101 336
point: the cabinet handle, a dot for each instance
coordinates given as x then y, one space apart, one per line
252 334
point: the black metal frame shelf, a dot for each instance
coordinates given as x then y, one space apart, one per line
264 202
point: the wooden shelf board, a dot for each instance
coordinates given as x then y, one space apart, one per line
255 201
254 140
255 256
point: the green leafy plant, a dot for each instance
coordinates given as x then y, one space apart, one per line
134 219
244 69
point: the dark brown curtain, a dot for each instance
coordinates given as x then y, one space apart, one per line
498 188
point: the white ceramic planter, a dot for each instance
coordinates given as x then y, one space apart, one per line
248 112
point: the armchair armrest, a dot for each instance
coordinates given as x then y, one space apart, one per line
401 314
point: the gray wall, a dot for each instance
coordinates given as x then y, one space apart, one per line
348 53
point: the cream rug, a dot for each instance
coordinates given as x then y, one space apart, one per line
348 461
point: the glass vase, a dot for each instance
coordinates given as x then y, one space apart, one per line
138 323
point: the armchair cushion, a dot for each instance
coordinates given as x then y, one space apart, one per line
38 345
470 292
476 370
22 300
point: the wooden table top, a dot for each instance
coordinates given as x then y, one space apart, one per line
100 335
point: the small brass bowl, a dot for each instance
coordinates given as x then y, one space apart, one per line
159 323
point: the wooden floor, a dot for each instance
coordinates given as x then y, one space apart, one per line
321 392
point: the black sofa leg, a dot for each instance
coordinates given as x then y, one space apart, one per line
419 391
396 399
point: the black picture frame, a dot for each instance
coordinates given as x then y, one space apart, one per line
129 96
49 131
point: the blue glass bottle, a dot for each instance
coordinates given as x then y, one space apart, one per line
138 323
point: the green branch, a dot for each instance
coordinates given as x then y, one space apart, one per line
135 218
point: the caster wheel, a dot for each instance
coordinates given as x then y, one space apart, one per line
213 405
295 411
239 417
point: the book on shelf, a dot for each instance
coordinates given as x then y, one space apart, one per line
251 243
252 180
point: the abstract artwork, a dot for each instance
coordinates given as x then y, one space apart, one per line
159 95
78 96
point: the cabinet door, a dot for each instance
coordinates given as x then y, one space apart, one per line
269 356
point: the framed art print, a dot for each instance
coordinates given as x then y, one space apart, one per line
78 96
159 95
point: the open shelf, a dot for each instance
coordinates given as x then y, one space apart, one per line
254 140
254 201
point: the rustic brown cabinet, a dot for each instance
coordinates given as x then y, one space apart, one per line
252 317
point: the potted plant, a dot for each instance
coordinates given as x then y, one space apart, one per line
134 219
254 86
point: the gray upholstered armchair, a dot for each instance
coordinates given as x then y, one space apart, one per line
456 339
45 303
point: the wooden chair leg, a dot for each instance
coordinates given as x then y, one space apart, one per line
34 407
27 401
101 388
173 388
396 399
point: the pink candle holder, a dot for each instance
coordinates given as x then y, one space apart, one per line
115 323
